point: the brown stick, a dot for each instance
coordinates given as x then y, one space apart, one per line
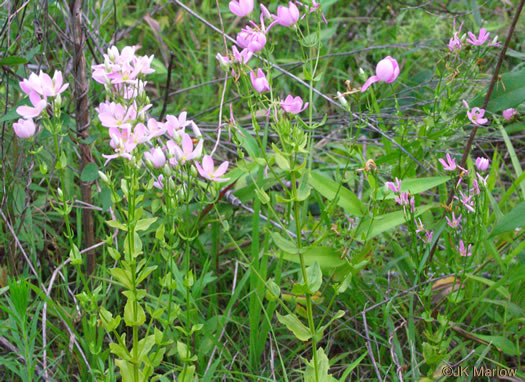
81 89
470 141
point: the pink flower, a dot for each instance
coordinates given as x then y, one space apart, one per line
480 40
176 125
24 128
467 201
224 61
252 39
449 164
475 187
454 223
156 157
387 71
293 105
208 170
113 114
476 116
187 153
260 83
124 141
158 183
428 237
508 114
39 104
241 8
419 225
394 187
155 128
483 180
44 85
464 251
482 163
455 42
243 57
287 16
402 200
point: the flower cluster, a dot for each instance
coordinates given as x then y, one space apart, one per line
38 88
455 43
129 125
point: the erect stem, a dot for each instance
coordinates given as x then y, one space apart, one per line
470 141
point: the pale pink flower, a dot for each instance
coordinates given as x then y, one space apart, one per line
24 128
293 105
387 71
52 87
475 187
241 8
156 157
287 16
480 40
242 57
113 114
476 116
187 153
449 164
158 183
260 82
155 128
482 163
252 39
419 225
208 170
428 237
467 201
39 104
454 223
508 114
224 61
413 204
464 251
394 187
124 141
176 125
31 84
483 180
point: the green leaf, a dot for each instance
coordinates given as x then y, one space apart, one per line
122 276
273 291
370 228
315 277
284 244
508 92
503 343
108 322
512 220
323 365
144 224
282 162
117 224
13 61
293 324
89 173
414 186
247 142
134 314
329 189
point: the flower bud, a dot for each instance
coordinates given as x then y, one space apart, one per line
103 176
342 100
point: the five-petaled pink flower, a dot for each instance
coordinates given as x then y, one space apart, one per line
208 170
241 8
454 223
156 157
387 71
260 82
482 163
480 40
187 153
243 56
455 42
293 105
476 116
113 114
508 114
252 39
467 201
44 85
464 251
287 16
449 164
24 128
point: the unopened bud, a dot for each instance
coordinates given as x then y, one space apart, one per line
342 100
103 176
